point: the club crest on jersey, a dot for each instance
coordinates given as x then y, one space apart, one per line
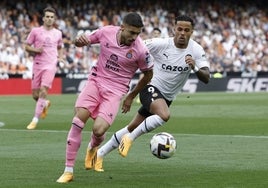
147 57
129 54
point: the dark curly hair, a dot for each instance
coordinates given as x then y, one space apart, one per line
133 19
184 18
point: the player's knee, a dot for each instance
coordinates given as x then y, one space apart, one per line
100 126
43 94
35 97
98 132
99 129
165 116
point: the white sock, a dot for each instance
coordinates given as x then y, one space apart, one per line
47 103
69 169
149 124
112 143
35 119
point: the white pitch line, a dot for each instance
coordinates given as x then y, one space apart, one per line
2 124
225 135
197 135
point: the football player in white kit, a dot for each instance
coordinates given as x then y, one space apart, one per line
175 58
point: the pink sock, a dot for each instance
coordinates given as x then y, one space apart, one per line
40 105
96 141
73 141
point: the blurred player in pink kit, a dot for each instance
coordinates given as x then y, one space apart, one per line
122 52
44 43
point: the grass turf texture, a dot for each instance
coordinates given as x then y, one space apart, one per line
222 141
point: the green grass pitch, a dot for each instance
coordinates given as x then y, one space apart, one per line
222 142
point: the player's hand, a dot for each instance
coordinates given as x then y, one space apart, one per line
35 51
81 40
127 104
61 60
39 50
190 61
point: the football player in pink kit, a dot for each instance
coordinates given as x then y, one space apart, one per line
122 52
45 44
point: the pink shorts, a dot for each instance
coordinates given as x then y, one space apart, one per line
43 77
100 101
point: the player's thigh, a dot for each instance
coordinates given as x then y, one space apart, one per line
109 107
48 77
149 95
154 102
82 113
100 126
160 107
36 79
89 98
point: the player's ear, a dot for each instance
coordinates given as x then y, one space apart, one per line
192 31
122 27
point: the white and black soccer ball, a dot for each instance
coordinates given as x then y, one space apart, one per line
163 145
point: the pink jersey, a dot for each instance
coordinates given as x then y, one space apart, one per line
117 64
49 40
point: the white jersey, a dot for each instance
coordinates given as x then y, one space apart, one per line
170 70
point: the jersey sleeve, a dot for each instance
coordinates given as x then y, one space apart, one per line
60 42
155 44
31 37
145 60
94 36
200 57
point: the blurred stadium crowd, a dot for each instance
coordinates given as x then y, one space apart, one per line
233 33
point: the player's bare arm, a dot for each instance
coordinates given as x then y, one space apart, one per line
202 73
147 76
32 50
61 54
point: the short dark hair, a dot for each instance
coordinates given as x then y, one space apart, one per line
133 19
184 18
157 29
49 9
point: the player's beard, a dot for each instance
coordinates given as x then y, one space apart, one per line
180 42
126 41
129 42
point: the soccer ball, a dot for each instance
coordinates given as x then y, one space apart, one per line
163 145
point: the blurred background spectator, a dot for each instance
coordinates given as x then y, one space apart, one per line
234 33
